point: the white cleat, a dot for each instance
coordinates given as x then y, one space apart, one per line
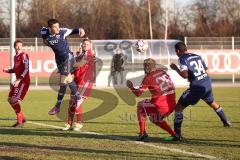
67 128
78 127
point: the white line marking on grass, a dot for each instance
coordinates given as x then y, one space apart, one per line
195 154
45 125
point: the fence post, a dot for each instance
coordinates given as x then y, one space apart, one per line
233 47
233 78
185 40
36 81
233 43
36 45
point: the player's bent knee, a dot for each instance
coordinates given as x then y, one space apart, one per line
69 78
71 109
140 104
66 79
13 100
179 107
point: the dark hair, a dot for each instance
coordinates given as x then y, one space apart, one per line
181 47
17 41
51 22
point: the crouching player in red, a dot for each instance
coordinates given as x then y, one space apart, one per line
162 102
20 86
84 78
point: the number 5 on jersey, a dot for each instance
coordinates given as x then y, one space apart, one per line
164 82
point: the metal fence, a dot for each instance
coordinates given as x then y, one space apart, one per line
213 42
161 50
36 44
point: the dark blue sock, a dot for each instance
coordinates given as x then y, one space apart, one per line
74 91
178 119
61 94
221 115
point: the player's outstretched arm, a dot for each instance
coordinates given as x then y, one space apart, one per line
183 74
129 84
6 70
44 32
79 31
138 92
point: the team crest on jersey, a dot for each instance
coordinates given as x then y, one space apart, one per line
25 61
58 36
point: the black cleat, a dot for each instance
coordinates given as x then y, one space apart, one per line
174 138
228 124
19 125
142 137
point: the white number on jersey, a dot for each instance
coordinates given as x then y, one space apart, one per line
198 67
164 82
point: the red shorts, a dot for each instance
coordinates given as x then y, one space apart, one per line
20 91
165 105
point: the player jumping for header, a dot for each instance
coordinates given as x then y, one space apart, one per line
55 37
195 70
84 78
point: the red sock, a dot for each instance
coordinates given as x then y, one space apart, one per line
142 127
20 117
166 127
71 112
142 120
18 111
78 113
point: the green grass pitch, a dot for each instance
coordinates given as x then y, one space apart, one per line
202 129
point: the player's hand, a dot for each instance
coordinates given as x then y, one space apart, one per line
5 70
81 32
173 66
16 83
129 84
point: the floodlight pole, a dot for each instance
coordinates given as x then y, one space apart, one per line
166 20
12 34
150 19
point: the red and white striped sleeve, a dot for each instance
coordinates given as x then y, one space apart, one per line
25 60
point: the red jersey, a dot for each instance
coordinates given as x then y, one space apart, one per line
159 84
21 67
85 72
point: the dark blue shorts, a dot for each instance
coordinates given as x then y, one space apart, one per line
193 94
66 67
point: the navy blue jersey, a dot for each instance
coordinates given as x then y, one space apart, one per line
196 68
58 42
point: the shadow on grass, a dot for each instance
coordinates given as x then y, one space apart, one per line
89 135
37 120
8 158
100 153
199 142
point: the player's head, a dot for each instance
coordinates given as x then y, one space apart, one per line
53 26
149 65
86 44
18 45
180 48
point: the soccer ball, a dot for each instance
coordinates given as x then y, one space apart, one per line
141 46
